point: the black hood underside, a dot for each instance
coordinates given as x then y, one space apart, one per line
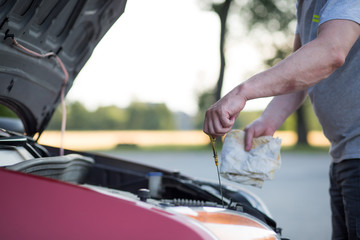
31 86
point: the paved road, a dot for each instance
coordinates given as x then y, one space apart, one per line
297 198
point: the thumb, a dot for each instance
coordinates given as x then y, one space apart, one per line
249 135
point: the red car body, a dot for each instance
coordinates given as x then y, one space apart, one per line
34 207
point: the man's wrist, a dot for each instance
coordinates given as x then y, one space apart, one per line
242 91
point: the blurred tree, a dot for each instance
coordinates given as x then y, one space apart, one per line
246 118
149 116
109 118
208 97
77 117
137 115
163 116
55 122
221 8
311 119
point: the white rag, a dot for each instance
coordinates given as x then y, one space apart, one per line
252 167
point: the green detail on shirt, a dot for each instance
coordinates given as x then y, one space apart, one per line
316 18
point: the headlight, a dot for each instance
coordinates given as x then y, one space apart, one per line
226 224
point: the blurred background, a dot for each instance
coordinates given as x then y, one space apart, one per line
143 95
163 63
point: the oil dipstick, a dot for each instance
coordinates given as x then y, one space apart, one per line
212 140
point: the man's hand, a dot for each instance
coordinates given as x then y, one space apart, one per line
259 127
220 117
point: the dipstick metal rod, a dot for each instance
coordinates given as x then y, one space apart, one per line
212 140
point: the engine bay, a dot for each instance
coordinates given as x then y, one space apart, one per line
125 179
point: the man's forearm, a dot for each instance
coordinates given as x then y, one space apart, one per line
281 107
309 65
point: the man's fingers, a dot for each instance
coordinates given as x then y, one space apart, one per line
226 121
249 135
216 124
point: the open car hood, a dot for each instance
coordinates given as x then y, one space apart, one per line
31 86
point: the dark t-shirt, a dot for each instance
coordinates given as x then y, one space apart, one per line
336 99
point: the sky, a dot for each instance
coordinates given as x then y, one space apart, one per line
162 51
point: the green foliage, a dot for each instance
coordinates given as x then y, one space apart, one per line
55 122
274 21
149 116
280 54
110 117
271 16
311 120
136 116
289 124
245 118
77 116
6 112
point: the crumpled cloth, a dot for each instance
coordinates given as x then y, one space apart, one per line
253 167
